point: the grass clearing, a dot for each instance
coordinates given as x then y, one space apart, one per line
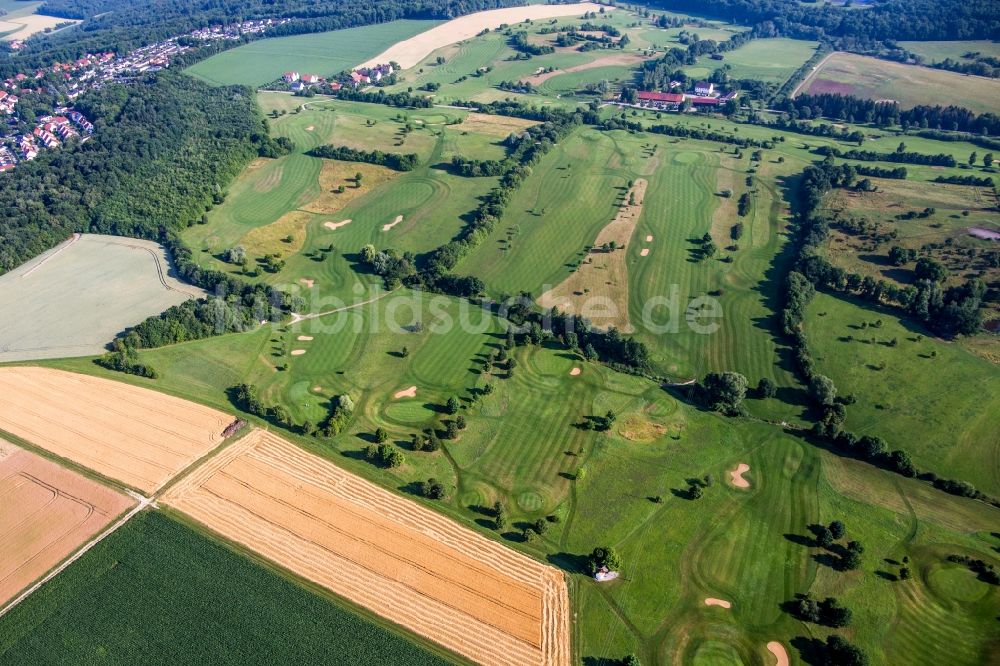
322 53
773 59
99 609
941 50
910 85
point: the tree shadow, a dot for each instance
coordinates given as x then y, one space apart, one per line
569 562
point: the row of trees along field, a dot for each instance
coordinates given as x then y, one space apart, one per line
122 25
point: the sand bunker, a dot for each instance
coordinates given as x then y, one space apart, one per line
649 239
645 252
736 476
298 352
317 389
47 512
386 227
722 603
304 338
307 282
384 552
406 393
310 128
411 51
574 372
333 226
779 652
598 289
140 437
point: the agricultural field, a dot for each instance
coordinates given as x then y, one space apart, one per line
101 609
322 53
74 299
910 85
773 60
47 512
131 434
21 20
913 386
410 565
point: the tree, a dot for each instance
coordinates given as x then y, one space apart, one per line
368 253
460 422
930 269
451 430
851 560
823 390
766 388
988 160
972 158
431 489
904 573
837 529
832 614
724 392
838 652
452 405
604 556
695 491
499 515
381 435
404 352
357 179
630 659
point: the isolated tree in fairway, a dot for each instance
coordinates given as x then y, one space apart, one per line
381 435
837 529
988 160
604 556
930 269
823 390
972 158
358 177
452 405
852 558
766 388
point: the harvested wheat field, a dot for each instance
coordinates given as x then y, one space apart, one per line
139 437
598 289
386 553
411 51
46 513
499 126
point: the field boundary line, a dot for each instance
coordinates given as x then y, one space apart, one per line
143 502
813 73
55 251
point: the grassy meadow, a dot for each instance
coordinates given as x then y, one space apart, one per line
910 85
142 595
772 60
939 51
322 53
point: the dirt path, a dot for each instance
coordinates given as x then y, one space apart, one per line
296 317
598 289
606 61
812 74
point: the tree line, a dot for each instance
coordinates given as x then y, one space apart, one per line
395 161
899 156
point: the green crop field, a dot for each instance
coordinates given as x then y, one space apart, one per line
157 591
74 299
323 53
910 85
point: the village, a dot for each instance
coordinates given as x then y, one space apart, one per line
704 95
69 80
363 76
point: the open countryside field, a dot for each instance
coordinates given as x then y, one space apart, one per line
773 60
149 592
47 513
901 390
133 435
322 53
390 555
21 20
74 299
910 85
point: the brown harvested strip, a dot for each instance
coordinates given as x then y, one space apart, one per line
423 615
401 560
352 539
46 512
126 432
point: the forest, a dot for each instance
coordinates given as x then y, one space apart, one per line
162 154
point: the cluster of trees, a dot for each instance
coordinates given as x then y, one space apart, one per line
657 74
162 153
604 557
975 64
396 161
392 267
856 110
384 455
690 132
898 173
247 397
523 87
786 123
519 42
827 612
341 411
899 156
984 181
986 572
723 392
123 358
